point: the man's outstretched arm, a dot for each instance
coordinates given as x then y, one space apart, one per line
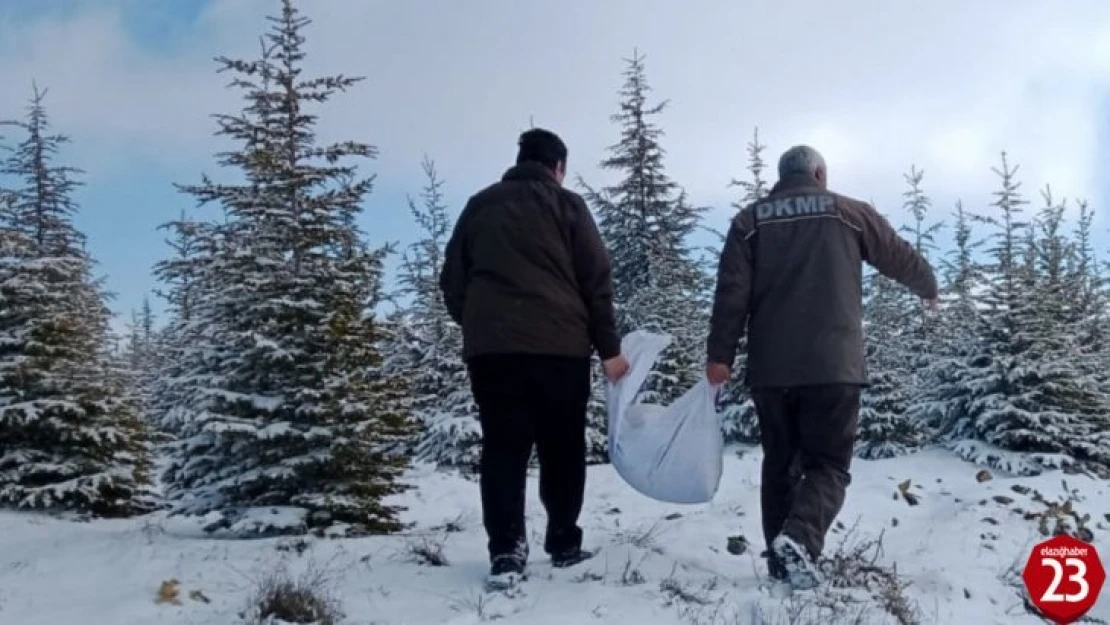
731 299
894 257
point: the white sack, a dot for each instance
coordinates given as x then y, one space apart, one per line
669 453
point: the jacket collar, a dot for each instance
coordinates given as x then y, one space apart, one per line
529 170
795 182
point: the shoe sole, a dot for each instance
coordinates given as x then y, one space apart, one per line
801 576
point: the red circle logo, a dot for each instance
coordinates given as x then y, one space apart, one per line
1064 577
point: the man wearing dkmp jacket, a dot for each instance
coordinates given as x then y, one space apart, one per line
790 275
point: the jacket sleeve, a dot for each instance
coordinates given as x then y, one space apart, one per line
456 267
594 272
732 298
893 256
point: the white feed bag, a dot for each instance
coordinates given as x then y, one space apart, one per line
669 453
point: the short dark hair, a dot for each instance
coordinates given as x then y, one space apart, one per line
542 146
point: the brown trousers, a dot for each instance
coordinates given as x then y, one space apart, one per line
808 436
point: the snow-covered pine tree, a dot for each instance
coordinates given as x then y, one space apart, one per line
922 234
1069 383
898 344
1025 398
183 344
450 434
71 439
141 337
293 409
1049 254
646 221
181 273
739 422
1090 306
142 354
1004 314
883 426
944 385
755 187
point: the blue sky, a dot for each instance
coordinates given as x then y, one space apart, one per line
133 83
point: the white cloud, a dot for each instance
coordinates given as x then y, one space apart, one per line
876 86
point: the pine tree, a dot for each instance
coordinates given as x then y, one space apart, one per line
755 188
432 342
646 221
739 422
71 438
1004 312
182 272
1090 311
1070 384
183 342
884 430
1023 394
898 345
1050 253
292 407
140 352
945 383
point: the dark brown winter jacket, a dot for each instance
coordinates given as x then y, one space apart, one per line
790 274
526 271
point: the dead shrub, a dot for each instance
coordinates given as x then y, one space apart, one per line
427 550
855 564
308 599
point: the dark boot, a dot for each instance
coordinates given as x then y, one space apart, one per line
506 572
775 568
801 567
571 557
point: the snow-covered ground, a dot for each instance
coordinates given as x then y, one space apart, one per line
960 549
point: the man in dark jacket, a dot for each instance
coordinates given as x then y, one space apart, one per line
527 276
790 275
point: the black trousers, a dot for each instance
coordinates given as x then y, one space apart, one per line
524 401
808 436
